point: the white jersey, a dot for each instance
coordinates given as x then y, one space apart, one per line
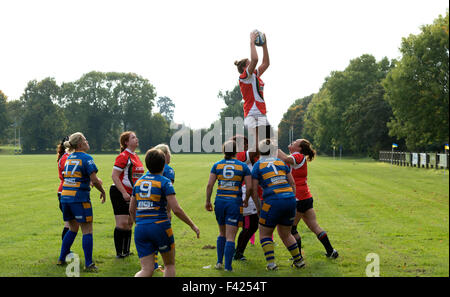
251 208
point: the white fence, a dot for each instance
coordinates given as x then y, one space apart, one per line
420 160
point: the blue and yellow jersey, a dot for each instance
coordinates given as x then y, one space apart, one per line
230 176
169 173
272 176
151 192
77 170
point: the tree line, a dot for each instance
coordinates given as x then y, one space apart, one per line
101 105
371 104
362 109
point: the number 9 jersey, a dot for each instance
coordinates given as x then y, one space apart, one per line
151 192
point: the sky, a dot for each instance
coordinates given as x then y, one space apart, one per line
186 49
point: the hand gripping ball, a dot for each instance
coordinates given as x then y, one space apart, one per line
260 39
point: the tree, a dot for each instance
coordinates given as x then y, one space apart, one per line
417 88
4 121
294 117
233 110
103 105
166 108
43 122
349 111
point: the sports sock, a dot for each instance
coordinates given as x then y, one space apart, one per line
156 261
128 242
297 237
220 248
295 253
67 244
64 232
323 237
268 248
229 252
88 245
120 237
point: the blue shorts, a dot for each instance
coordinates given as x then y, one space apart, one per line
152 237
228 213
278 211
79 211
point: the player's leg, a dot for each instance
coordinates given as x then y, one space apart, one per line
169 262
265 235
294 230
309 217
291 244
147 264
230 235
68 240
123 227
221 241
88 244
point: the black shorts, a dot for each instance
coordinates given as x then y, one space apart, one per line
120 206
59 199
304 205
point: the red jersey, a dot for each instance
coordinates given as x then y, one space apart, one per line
61 164
245 157
131 168
252 90
300 175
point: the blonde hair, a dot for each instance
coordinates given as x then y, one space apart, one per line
73 141
164 148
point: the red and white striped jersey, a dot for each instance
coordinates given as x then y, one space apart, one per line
252 90
131 168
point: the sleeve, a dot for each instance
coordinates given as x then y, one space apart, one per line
213 169
90 166
135 187
288 169
246 170
168 189
121 162
298 159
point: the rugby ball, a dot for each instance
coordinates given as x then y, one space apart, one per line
260 39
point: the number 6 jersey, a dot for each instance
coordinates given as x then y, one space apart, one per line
230 175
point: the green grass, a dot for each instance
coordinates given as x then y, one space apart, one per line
400 213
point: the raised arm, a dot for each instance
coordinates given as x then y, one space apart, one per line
285 158
253 54
266 60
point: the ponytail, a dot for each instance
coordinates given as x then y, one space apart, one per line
307 149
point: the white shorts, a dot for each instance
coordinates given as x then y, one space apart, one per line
253 121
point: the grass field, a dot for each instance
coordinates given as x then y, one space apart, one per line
399 213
